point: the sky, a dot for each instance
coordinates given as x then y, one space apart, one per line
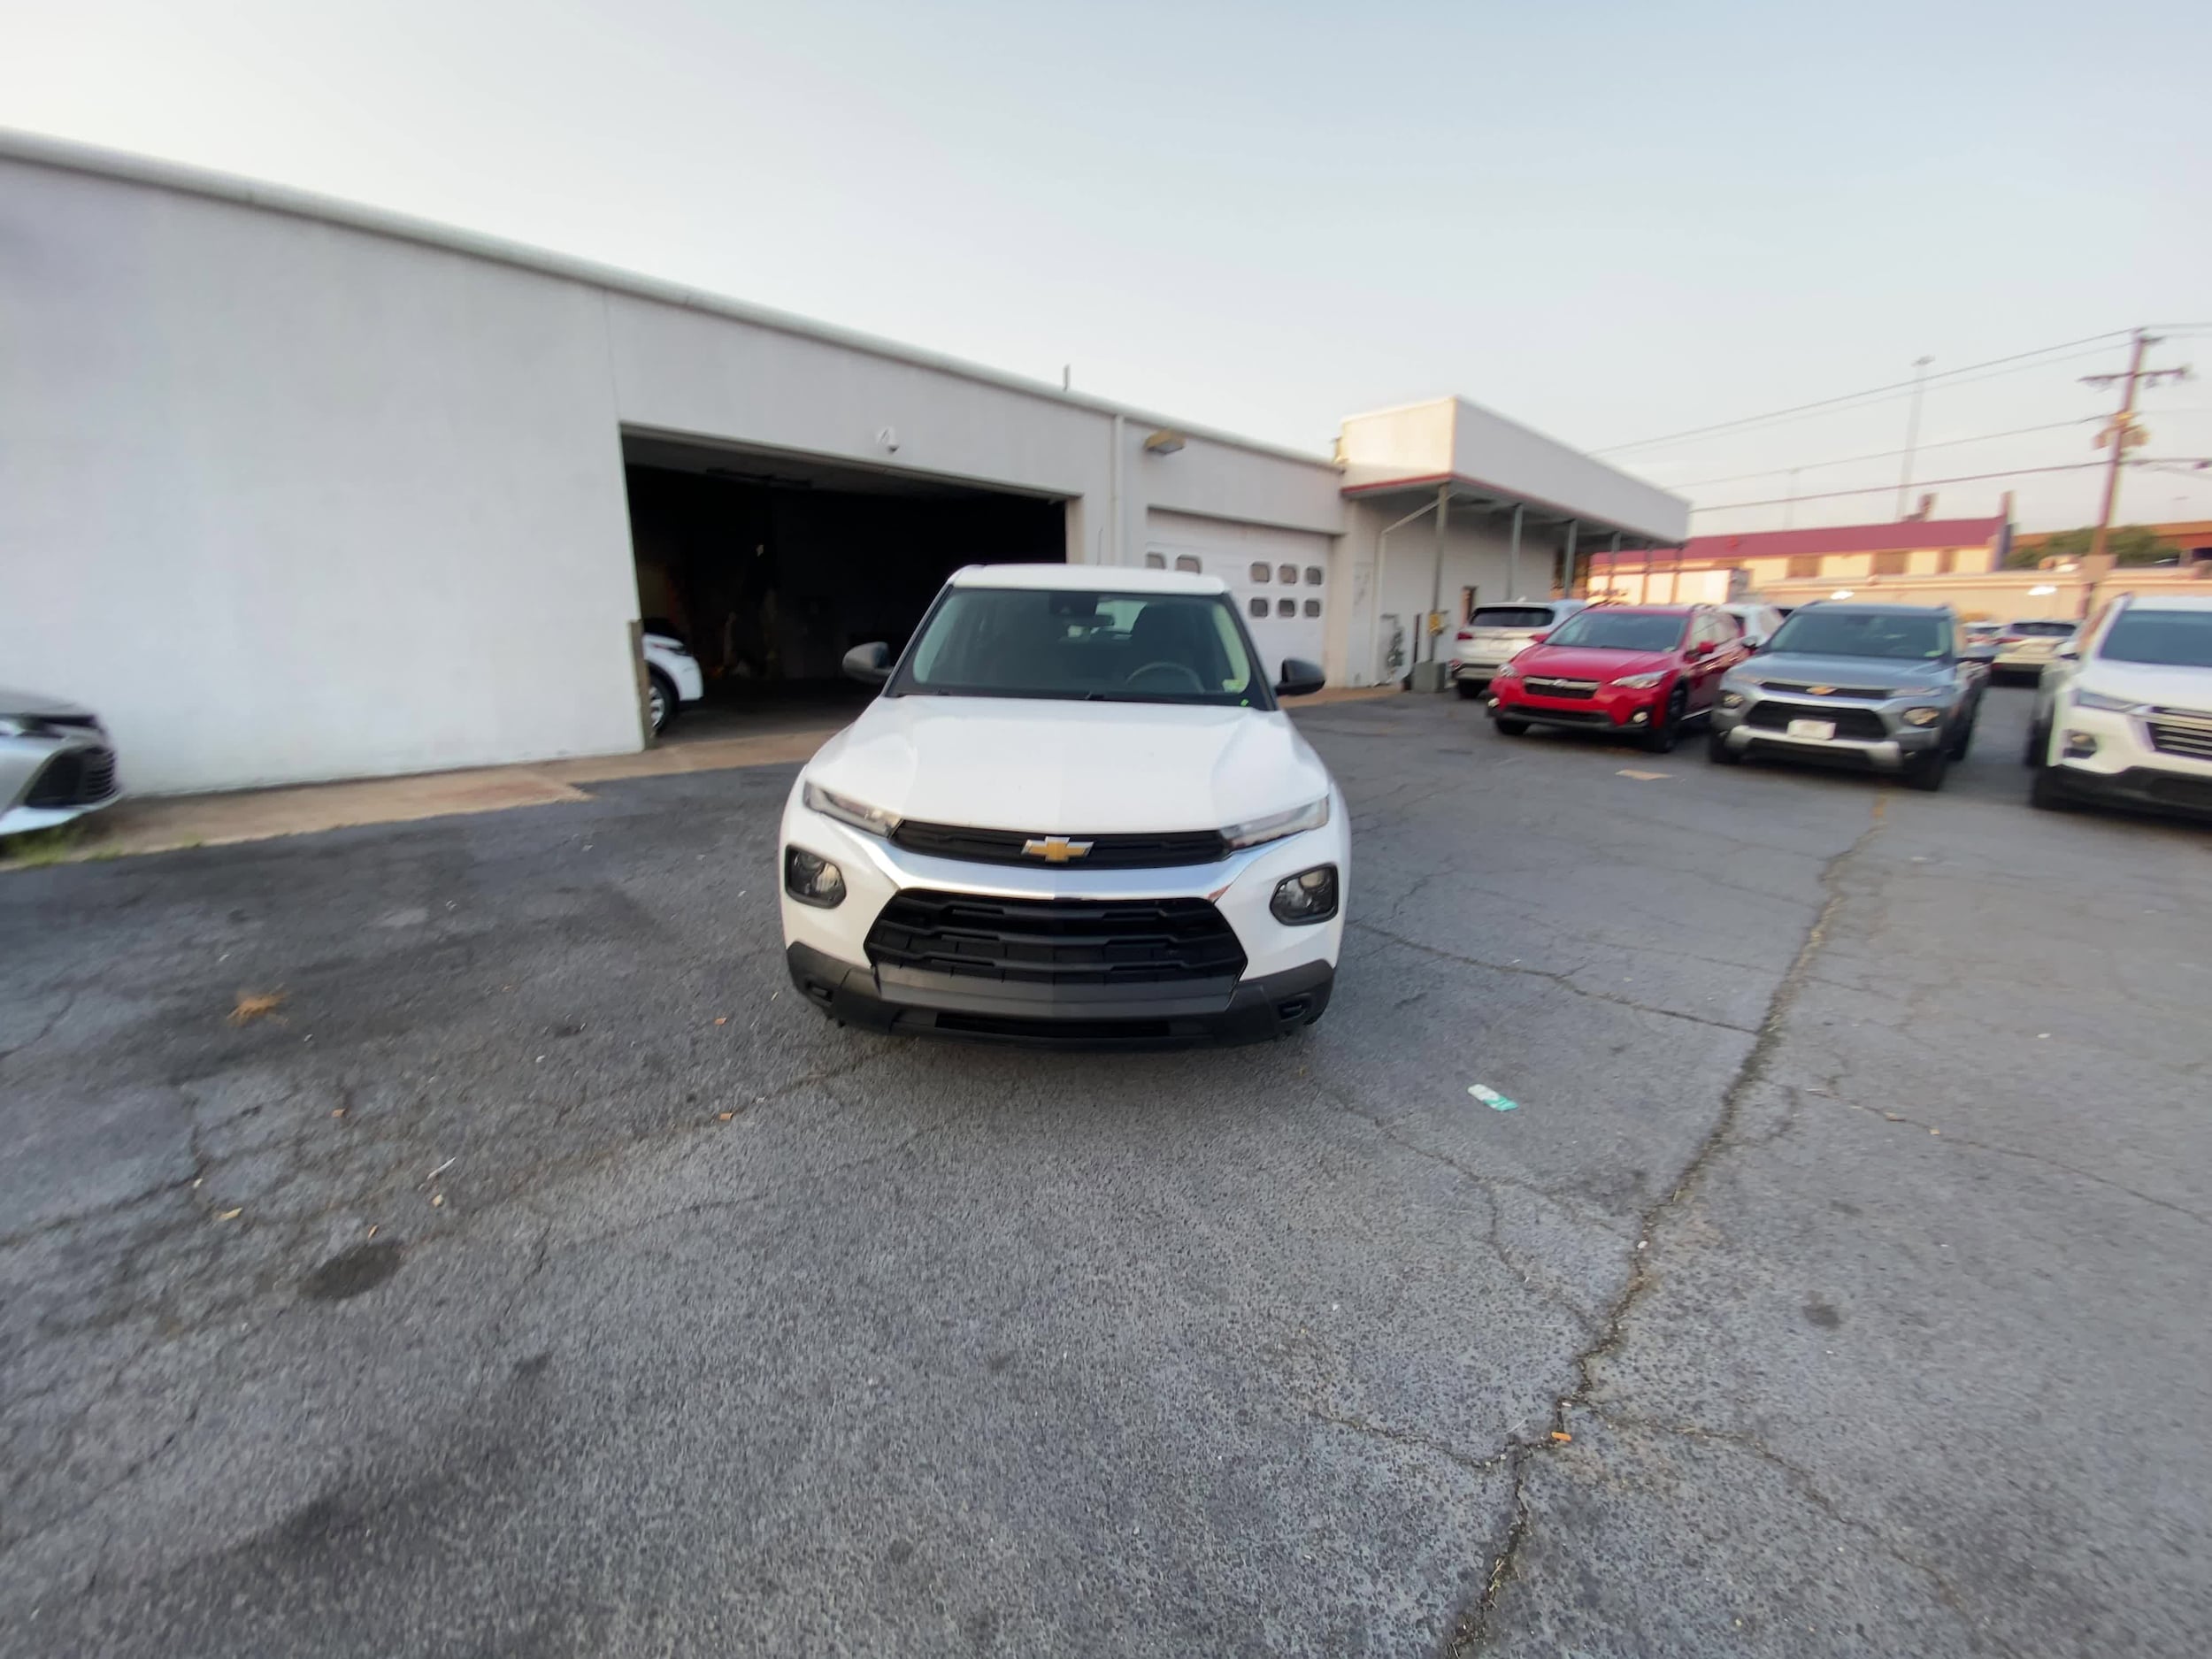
1607 221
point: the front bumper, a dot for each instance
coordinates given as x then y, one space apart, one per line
1748 730
47 781
1285 982
1607 708
2133 758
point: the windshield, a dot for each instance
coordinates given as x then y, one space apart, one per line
2172 639
1897 635
1098 646
1511 616
2042 630
1619 631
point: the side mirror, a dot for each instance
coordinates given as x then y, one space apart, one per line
1753 642
1538 639
870 665
1978 653
2069 652
1702 648
1300 678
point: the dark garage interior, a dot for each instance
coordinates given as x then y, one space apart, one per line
770 567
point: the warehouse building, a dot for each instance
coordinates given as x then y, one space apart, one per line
294 490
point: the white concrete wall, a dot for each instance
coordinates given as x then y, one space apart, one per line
1477 554
283 501
292 493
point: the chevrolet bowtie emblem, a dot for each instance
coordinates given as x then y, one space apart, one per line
1055 850
1822 691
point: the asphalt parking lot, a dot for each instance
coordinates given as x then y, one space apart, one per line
537 1277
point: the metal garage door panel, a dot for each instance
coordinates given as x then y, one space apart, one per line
1253 559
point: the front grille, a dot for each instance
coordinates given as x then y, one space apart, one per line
1864 694
1160 851
2168 738
1561 688
1861 725
77 776
2193 793
1564 717
1055 942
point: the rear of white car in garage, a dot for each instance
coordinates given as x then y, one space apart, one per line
1077 813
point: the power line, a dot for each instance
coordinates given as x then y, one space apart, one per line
1887 454
1896 389
1970 477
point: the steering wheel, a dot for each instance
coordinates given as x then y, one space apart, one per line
1182 670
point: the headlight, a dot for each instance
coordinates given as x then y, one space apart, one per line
812 880
1276 825
1732 700
1308 896
873 819
1922 717
2098 700
1640 682
24 726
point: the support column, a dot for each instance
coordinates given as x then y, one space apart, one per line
1567 571
1513 558
1436 569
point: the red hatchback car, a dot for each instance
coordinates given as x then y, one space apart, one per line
1646 670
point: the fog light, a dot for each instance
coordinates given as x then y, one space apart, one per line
1922 717
1731 699
1308 896
1640 717
812 880
2080 745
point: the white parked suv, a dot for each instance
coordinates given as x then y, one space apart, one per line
1077 813
2125 713
1493 635
671 676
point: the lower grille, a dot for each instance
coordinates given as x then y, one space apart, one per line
1861 725
1165 850
2194 742
77 776
2193 793
1055 942
1561 716
1561 688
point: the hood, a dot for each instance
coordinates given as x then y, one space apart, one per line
1584 662
37 703
2158 683
1079 768
1873 673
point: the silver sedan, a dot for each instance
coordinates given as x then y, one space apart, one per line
56 763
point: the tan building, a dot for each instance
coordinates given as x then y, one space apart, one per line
1714 568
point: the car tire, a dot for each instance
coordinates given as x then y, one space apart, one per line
1661 739
1511 728
661 702
1964 741
1925 771
2039 747
1467 690
1717 751
2048 789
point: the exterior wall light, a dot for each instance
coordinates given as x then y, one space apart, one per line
1163 442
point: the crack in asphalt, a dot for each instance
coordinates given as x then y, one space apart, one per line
1564 981
1472 1630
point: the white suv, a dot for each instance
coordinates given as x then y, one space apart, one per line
2125 712
1075 813
1493 635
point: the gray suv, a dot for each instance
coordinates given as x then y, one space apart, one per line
1887 687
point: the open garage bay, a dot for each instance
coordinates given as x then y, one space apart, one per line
457 1238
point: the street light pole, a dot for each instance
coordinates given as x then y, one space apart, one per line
1912 431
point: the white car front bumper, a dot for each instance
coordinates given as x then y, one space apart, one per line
2161 758
842 961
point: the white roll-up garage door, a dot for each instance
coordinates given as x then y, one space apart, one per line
1279 578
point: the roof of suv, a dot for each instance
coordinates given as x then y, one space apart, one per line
1869 608
2168 601
1098 579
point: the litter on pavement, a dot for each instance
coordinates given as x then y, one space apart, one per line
1491 1098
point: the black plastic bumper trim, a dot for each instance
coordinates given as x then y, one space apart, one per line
1102 1016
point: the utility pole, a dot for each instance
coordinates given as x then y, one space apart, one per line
1912 430
2123 431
